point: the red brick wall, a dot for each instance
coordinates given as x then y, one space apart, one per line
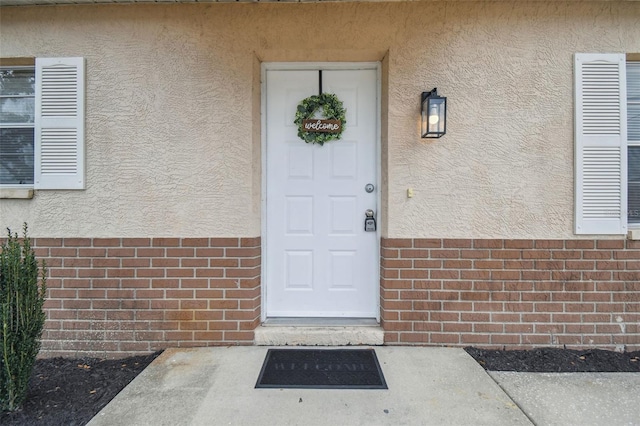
511 293
120 296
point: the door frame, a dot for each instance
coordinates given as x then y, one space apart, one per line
285 66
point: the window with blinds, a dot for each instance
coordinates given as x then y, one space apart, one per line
633 140
17 115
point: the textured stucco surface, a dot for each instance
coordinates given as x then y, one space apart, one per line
173 100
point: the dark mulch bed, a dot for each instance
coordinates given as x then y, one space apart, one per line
554 360
65 391
70 392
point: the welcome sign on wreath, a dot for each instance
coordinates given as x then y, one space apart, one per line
330 126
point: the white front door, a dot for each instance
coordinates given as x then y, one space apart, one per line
319 261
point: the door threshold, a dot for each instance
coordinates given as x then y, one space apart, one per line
341 332
320 322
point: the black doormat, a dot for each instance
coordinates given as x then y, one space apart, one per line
321 369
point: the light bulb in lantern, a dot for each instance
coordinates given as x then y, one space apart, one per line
433 115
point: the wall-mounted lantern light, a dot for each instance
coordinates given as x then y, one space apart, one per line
434 114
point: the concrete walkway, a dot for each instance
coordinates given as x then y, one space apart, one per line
427 386
575 398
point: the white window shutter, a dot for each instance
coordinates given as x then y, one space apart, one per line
600 144
59 123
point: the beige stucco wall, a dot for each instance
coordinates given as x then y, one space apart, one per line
173 136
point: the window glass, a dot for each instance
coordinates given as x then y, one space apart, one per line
17 82
634 184
17 113
16 152
633 102
633 136
17 110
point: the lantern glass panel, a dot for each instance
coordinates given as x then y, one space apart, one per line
434 117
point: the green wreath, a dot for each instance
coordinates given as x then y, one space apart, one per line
332 109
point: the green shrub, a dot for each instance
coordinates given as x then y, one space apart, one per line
21 317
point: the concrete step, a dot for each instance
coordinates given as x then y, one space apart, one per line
319 335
